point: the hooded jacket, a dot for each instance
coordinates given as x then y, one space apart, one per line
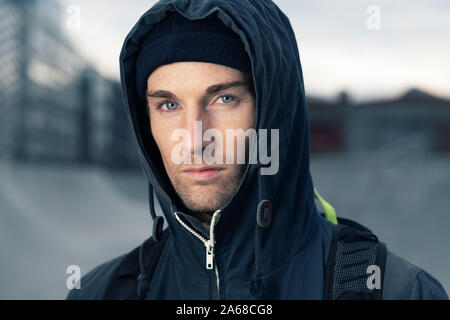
286 259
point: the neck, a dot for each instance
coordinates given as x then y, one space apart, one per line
202 216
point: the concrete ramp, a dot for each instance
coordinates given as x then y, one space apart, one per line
53 217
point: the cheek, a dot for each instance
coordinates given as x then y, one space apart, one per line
244 119
248 119
240 118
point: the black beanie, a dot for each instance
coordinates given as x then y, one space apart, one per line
177 39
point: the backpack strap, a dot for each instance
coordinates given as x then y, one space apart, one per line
125 284
354 248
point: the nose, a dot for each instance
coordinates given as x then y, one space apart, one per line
196 122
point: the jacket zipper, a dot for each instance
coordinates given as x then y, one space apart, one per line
209 244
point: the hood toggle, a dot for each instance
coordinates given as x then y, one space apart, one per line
263 221
264 213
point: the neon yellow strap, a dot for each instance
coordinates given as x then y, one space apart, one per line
330 214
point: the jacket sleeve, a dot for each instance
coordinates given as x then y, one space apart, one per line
426 287
405 281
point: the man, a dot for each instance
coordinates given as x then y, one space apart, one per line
237 228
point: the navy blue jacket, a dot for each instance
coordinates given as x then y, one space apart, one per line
285 260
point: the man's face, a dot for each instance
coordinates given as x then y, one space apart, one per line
178 95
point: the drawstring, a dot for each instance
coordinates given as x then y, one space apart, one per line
158 223
151 202
143 278
263 221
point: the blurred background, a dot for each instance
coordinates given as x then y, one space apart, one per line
377 76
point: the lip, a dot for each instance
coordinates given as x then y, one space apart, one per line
204 173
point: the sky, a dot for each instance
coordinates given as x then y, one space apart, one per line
370 49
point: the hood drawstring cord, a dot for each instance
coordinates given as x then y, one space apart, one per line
263 220
158 221
143 279
158 224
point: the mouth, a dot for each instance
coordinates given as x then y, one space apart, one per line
205 173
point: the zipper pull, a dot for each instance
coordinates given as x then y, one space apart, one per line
209 255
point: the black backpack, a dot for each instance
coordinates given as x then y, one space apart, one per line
353 253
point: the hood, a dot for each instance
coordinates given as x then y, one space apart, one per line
246 251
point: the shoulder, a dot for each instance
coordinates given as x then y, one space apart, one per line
94 283
405 281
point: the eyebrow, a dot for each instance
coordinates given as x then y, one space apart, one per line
209 91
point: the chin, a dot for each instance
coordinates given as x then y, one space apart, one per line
202 206
204 200
205 197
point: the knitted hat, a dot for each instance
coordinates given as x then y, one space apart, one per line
177 39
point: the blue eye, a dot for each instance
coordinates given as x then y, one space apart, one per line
170 105
227 100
